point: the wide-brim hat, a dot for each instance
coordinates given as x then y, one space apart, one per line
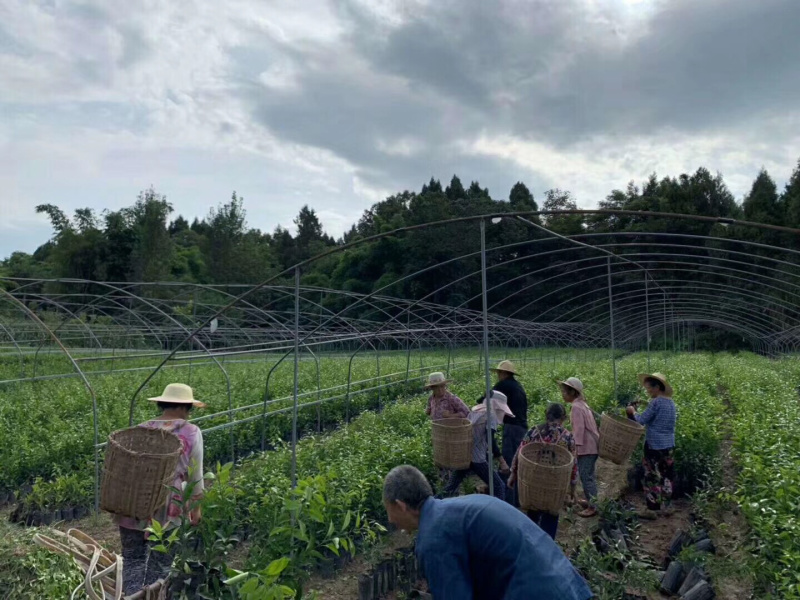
573 383
499 404
658 377
435 379
178 393
507 366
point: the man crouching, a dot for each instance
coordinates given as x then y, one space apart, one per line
478 547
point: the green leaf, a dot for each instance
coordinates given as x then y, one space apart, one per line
276 567
236 579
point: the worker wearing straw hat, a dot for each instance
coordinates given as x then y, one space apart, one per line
479 465
142 566
514 427
587 437
443 404
659 419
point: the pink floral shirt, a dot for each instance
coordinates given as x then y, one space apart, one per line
191 456
449 403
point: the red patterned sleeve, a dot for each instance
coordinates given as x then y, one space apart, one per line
457 406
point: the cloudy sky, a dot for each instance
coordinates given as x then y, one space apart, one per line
337 103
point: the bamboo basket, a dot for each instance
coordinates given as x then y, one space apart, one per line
618 438
139 466
544 474
452 443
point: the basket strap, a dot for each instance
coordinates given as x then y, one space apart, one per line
88 554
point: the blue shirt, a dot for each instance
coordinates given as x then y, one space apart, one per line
477 547
659 417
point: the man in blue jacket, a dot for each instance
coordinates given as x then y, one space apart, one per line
478 547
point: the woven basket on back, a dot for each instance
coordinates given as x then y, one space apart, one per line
452 443
544 474
140 464
618 438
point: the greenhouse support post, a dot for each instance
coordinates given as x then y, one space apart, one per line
611 322
486 359
647 316
296 372
665 325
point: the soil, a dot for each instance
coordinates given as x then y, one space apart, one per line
612 482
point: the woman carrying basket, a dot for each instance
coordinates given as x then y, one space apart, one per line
550 432
443 404
587 437
659 419
142 566
480 465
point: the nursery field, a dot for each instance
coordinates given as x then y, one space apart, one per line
280 536
48 420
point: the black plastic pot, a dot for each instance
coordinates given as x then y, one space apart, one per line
16 515
673 578
81 512
68 514
365 587
47 517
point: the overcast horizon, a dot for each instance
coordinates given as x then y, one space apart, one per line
339 103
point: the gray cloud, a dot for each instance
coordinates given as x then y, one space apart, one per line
552 72
336 102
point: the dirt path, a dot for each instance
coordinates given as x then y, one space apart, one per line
612 482
730 527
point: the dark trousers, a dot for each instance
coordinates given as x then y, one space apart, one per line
141 565
547 522
482 471
512 438
586 468
659 473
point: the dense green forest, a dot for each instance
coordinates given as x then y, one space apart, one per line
147 242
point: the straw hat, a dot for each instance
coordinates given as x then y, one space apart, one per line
506 366
574 383
657 377
499 405
178 393
436 378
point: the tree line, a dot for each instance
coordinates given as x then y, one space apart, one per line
147 242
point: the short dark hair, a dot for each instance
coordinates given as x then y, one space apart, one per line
172 405
408 485
653 382
555 412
